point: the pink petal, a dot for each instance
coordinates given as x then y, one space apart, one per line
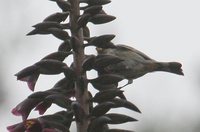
16 112
42 107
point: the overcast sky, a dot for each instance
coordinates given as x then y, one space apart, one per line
166 30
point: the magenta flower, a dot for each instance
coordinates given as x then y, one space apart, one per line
19 127
50 130
30 75
32 125
42 107
24 108
46 66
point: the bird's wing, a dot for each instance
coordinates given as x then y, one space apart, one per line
120 68
125 47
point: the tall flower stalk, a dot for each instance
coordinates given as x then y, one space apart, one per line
89 111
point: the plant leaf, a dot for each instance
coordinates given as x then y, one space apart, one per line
102 109
62 83
93 9
88 62
59 33
59 99
83 20
98 124
49 66
64 5
101 19
102 41
65 46
59 55
118 130
102 87
98 2
57 17
119 118
38 31
47 24
86 32
106 95
40 94
125 104
107 79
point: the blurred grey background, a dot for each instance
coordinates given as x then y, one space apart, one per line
165 30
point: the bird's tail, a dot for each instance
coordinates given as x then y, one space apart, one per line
172 67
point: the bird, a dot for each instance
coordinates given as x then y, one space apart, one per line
135 63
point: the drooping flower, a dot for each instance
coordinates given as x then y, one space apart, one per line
32 125
58 122
19 127
42 107
24 108
30 75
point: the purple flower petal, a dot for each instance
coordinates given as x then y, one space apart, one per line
19 127
42 107
31 80
49 130
33 125
16 112
30 75
24 108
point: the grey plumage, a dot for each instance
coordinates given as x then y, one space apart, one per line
136 63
